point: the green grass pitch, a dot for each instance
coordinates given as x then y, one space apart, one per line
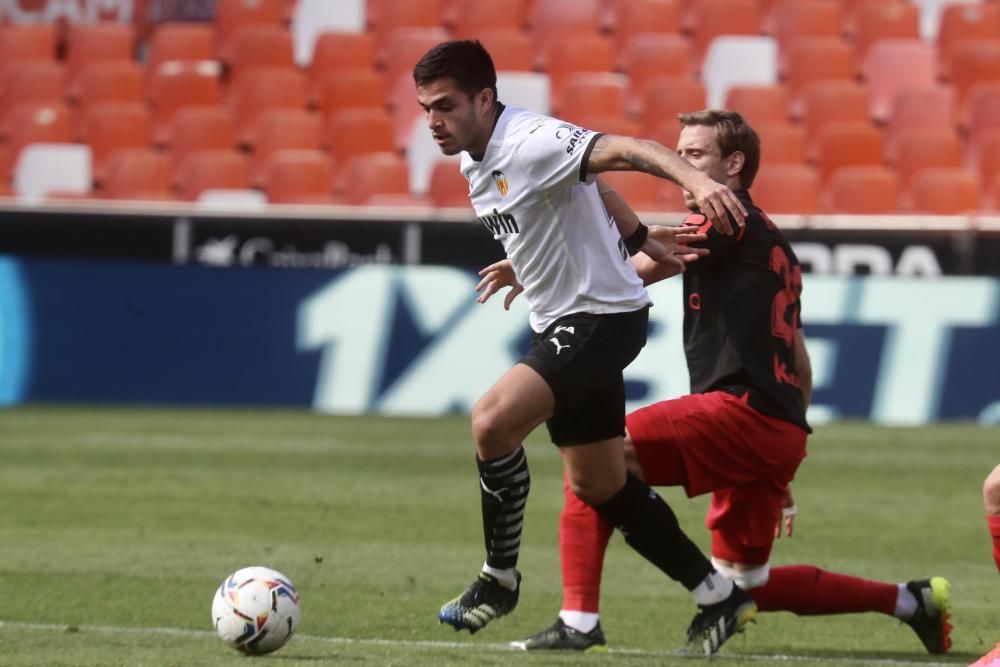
117 525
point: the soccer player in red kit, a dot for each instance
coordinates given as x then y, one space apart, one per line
741 434
991 503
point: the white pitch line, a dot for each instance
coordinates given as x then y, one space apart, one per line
429 644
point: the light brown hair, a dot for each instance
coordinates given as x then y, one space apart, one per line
733 134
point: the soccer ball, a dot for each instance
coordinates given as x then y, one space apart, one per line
256 610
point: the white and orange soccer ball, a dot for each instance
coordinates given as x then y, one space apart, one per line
256 610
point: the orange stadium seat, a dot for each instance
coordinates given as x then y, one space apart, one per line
112 126
786 189
352 89
260 46
138 174
179 84
88 43
111 81
27 41
608 124
354 132
179 41
31 122
298 177
592 94
827 102
799 19
404 110
406 48
851 8
211 170
917 107
283 129
861 190
553 20
268 88
986 157
992 200
511 50
984 111
713 18
925 147
640 191
336 51
378 179
782 143
944 191
626 19
646 56
884 20
846 145
447 186
468 18
894 64
231 15
583 53
663 99
962 22
30 81
401 16
200 128
759 103
973 61
812 60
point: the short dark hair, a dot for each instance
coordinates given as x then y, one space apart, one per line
734 134
465 60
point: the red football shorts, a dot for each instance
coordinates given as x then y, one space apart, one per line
716 442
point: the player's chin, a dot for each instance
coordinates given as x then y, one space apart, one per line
448 147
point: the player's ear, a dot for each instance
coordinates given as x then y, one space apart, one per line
485 99
735 162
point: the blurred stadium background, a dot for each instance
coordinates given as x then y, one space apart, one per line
234 203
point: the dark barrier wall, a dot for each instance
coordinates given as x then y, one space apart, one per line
412 340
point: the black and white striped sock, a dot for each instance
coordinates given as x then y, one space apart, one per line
503 485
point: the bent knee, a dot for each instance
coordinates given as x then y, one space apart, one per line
744 576
991 492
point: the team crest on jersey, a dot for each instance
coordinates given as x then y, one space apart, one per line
501 180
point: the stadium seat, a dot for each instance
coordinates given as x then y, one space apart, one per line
394 17
298 177
782 143
626 19
511 50
231 15
738 59
27 81
925 147
469 18
931 14
179 41
591 94
200 128
608 124
89 43
861 190
894 64
973 61
917 107
313 18
354 132
663 99
268 88
377 179
26 41
986 157
260 46
992 199
563 20
834 101
406 48
582 53
178 84
448 188
44 169
759 103
112 126
211 170
846 145
647 56
641 192
713 18
944 191
813 60
797 19
965 21
352 89
984 111
35 122
283 129
884 20
111 81
138 174
786 188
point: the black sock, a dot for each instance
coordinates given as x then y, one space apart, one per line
503 485
650 527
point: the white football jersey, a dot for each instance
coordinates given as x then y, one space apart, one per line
532 191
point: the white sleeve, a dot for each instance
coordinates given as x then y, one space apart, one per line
556 155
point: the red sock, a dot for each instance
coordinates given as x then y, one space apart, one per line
583 539
993 521
807 590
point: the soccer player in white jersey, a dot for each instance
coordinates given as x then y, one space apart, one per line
532 184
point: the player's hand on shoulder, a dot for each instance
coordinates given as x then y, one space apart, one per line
720 204
495 277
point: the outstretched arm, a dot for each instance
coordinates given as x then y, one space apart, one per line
612 152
